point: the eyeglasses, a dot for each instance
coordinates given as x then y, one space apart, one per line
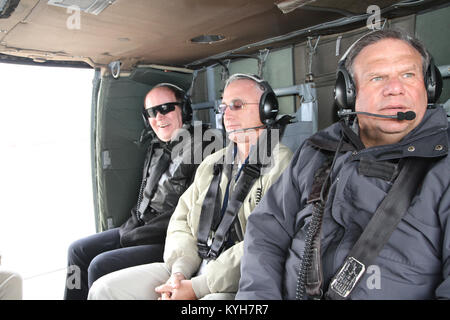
235 104
162 108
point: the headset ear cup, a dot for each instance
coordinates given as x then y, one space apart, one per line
187 110
433 83
268 103
344 89
268 106
351 92
145 119
340 91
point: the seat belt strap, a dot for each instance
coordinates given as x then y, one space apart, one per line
210 248
250 173
210 211
229 227
144 179
379 229
152 181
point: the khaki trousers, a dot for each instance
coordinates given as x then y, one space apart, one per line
138 283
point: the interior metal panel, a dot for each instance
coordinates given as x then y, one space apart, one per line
433 29
279 72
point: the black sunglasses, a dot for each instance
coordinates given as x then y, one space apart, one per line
162 108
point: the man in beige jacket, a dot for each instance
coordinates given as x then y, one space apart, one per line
210 269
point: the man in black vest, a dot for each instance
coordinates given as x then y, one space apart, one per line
168 172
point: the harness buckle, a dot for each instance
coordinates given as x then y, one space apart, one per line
252 170
203 250
347 278
212 255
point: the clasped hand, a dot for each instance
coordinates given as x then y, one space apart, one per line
176 288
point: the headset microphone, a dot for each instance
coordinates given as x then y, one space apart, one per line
245 129
408 115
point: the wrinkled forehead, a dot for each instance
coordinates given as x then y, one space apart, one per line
387 54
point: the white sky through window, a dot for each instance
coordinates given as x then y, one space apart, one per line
45 175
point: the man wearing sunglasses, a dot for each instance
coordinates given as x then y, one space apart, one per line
202 252
165 118
167 174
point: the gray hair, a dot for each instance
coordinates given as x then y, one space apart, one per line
378 35
243 76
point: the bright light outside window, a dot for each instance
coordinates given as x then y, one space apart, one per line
45 175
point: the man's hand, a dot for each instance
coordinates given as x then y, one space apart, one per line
172 283
184 292
176 288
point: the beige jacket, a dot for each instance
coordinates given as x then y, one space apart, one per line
180 254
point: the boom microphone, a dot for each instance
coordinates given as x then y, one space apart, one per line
408 115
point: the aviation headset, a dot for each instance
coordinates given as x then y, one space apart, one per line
268 103
345 89
181 96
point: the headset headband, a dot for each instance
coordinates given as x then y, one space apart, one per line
344 56
237 76
166 84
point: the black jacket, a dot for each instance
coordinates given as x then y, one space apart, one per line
169 169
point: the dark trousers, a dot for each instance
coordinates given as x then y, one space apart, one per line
94 256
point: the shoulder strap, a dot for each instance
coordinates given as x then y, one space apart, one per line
210 211
250 172
153 179
211 250
147 161
379 229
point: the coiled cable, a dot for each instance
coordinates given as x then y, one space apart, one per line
314 230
